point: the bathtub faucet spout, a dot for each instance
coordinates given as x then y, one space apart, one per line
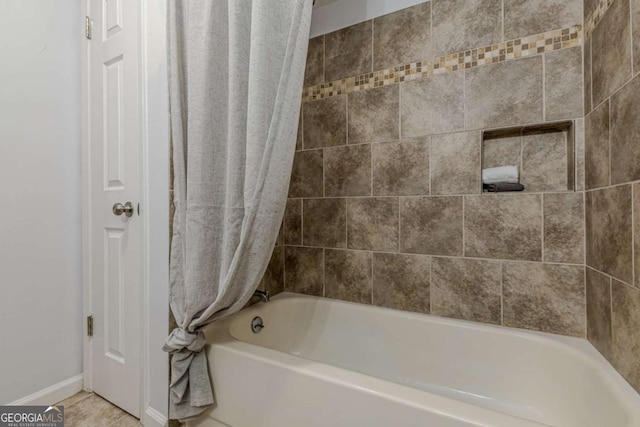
265 296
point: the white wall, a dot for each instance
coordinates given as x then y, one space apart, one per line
343 13
40 177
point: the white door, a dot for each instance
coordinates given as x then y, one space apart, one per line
115 234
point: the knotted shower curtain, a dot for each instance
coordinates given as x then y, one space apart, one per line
236 73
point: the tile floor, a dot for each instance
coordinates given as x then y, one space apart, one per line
90 410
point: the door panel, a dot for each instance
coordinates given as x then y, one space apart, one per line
114 144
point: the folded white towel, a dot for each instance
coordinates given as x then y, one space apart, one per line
500 174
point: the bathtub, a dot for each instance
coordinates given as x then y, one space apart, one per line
319 363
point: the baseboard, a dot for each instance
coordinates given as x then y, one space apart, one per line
153 418
53 394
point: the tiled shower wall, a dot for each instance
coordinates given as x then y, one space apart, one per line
386 204
612 178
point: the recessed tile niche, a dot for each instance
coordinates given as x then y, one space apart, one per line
544 155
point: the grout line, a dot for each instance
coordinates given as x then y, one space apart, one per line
502 292
609 135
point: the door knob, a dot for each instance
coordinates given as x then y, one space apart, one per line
127 209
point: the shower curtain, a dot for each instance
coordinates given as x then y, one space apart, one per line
236 74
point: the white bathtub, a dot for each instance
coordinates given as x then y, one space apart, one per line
321 363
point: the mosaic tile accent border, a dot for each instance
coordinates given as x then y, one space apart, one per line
595 16
506 51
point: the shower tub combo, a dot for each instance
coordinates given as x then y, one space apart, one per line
319 362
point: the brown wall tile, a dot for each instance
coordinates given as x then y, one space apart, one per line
599 311
304 270
608 231
635 24
503 226
348 276
589 7
504 94
503 151
596 147
374 115
348 52
545 161
274 275
431 225
625 133
564 227
525 17
433 105
314 71
563 81
401 281
466 289
544 297
611 51
299 134
372 223
465 24
455 163
325 122
401 168
579 153
636 232
306 176
625 322
402 37
588 81
324 223
347 171
293 222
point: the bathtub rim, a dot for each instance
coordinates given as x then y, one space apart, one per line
218 336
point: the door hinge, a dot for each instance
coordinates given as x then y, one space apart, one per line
88 27
90 326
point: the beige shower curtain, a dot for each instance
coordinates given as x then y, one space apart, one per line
236 73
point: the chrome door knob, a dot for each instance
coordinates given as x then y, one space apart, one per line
127 209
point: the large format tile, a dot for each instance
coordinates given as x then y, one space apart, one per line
455 163
401 168
348 52
348 275
459 25
466 289
293 222
401 281
599 311
314 71
563 83
609 231
504 94
306 175
373 115
636 232
74 399
611 51
544 297
431 225
372 223
325 223
502 151
503 226
325 122
596 147
304 270
347 171
402 37
625 324
273 280
625 133
92 412
433 105
526 17
635 14
545 161
564 227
